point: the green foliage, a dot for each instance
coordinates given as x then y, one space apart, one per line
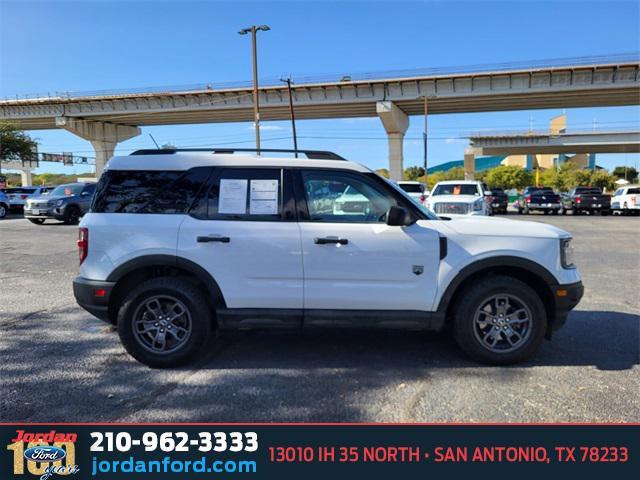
13 179
14 143
413 173
630 173
508 177
383 172
602 179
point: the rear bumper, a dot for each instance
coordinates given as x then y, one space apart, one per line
93 296
566 299
544 206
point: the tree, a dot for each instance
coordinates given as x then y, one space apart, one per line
413 173
15 145
630 173
383 172
508 177
603 179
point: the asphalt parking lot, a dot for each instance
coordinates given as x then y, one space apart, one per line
58 363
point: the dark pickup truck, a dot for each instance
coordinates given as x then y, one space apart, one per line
540 198
586 199
499 200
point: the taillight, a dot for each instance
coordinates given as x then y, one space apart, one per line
528 198
578 200
83 244
422 198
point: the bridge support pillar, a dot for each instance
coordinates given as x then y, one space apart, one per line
26 179
104 136
470 163
395 123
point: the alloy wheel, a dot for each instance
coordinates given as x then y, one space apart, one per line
502 323
162 324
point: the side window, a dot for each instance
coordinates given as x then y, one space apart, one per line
156 191
344 198
249 194
633 191
89 189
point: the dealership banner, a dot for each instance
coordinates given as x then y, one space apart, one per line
308 451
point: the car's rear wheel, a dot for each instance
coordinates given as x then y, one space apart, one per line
164 322
37 221
3 210
500 321
72 215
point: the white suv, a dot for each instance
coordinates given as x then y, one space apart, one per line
460 197
180 243
626 199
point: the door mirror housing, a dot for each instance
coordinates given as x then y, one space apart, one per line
487 193
398 217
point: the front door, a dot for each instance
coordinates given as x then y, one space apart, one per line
352 259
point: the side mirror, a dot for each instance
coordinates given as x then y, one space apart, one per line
487 193
397 217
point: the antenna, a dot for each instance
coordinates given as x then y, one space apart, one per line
154 141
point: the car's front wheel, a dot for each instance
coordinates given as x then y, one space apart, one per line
3 210
500 321
72 215
164 322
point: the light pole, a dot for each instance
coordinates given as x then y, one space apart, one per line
293 116
253 29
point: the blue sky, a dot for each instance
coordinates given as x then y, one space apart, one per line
90 45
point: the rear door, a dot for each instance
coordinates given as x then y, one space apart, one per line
243 231
352 259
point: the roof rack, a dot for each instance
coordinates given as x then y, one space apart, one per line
310 154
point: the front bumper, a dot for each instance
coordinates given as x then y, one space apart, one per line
93 296
49 212
566 298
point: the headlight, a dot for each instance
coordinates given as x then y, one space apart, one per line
477 205
566 253
59 203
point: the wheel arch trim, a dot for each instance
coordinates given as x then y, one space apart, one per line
487 264
159 260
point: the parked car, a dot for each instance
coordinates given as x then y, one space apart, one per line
179 244
543 199
4 204
586 199
65 202
626 200
499 200
459 197
416 190
18 195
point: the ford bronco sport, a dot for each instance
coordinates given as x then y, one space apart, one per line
179 243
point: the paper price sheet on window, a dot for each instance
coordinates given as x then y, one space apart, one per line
264 197
233 196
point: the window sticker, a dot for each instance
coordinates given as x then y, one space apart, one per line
264 197
233 196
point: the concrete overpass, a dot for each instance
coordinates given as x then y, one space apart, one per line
106 119
532 143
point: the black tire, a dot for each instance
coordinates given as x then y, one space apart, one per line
4 209
199 324
72 215
37 221
520 211
604 213
467 329
555 212
546 212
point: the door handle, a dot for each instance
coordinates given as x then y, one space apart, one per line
213 238
327 240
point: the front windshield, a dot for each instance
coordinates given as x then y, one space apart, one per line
456 189
66 190
430 215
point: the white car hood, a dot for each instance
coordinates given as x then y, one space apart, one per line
502 227
453 198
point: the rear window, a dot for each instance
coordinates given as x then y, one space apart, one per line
592 191
412 187
634 191
168 192
19 190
